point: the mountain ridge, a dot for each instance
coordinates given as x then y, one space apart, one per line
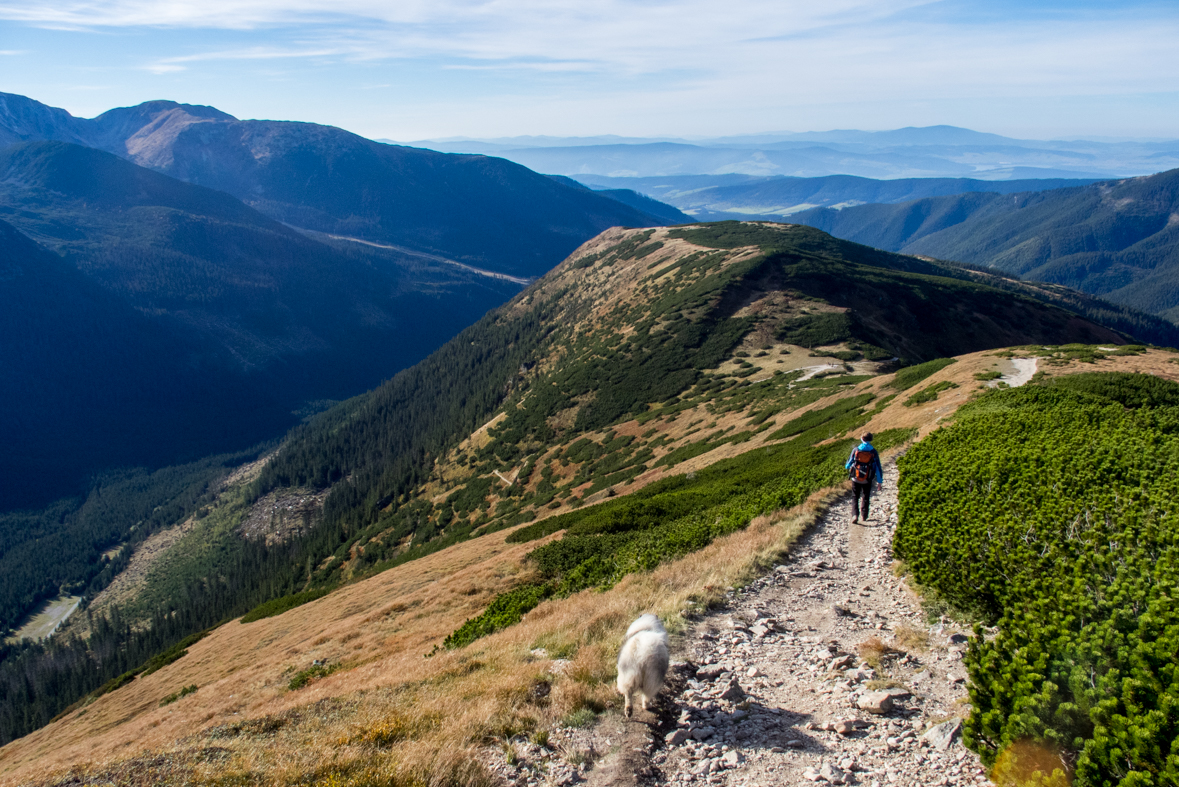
484 211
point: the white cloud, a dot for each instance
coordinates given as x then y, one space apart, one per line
671 66
180 63
850 46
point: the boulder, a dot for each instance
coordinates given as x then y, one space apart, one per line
877 702
732 758
733 693
941 736
709 673
842 662
831 774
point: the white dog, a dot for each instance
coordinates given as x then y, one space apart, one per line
642 662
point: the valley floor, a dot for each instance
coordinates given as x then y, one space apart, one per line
794 642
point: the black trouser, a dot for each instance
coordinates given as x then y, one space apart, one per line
866 491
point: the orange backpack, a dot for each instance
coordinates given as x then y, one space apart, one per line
861 469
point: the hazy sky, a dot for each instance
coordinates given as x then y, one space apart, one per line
430 68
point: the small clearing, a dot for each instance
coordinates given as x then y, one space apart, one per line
45 621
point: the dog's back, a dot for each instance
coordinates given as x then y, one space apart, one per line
643 660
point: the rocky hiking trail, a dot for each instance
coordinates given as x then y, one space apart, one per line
825 670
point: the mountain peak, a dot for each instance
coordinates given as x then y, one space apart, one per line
149 110
23 118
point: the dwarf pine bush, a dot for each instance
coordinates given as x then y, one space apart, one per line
1053 513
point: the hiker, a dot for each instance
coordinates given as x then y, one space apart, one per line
862 465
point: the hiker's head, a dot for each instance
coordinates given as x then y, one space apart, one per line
866 437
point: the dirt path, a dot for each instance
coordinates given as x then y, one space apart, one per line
434 257
782 694
772 690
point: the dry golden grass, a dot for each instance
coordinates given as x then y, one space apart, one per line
390 716
929 416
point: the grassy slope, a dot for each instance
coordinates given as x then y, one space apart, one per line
578 355
243 720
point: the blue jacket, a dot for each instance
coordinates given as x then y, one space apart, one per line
875 460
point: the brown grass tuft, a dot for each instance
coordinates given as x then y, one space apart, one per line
910 639
874 652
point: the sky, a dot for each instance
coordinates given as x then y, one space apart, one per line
421 69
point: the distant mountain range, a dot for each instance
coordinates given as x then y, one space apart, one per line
932 152
746 197
1118 240
482 211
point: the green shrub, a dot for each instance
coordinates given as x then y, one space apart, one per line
184 692
1050 511
929 393
818 329
303 677
506 609
278 606
908 377
830 421
1127 389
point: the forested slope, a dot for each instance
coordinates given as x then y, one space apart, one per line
1115 239
631 322
238 321
90 383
